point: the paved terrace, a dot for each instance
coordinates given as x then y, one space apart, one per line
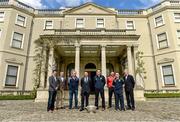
151 110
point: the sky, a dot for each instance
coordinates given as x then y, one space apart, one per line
118 4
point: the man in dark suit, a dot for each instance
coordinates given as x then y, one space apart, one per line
53 86
73 89
129 90
85 90
60 92
100 82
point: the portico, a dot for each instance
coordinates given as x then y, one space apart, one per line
108 50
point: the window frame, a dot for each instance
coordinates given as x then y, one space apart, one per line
3 16
83 24
175 17
17 77
133 22
0 32
163 21
45 25
25 18
157 40
178 34
162 75
12 38
97 22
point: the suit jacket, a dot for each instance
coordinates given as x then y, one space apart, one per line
62 84
118 86
85 85
129 83
53 84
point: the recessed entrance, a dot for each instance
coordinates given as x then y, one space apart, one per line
91 69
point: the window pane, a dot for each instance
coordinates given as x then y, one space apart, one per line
49 25
167 70
1 16
130 25
169 80
177 17
10 81
16 44
100 23
79 23
12 70
18 36
178 33
162 37
21 20
159 21
163 44
0 33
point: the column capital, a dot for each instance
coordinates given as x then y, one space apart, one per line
77 45
103 46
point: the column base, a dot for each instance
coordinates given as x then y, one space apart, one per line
139 94
41 95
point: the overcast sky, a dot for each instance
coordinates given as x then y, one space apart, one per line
119 4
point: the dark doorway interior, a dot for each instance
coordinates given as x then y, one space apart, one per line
91 69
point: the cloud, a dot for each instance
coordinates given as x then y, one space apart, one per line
34 3
69 3
149 3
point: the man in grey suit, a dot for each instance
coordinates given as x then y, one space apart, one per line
60 92
53 86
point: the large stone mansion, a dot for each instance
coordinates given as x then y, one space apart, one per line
90 37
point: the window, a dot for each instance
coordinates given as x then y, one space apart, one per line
1 16
162 40
100 23
17 40
79 23
177 17
168 75
130 25
159 21
21 20
11 75
178 34
49 24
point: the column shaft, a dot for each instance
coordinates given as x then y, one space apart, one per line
103 60
77 60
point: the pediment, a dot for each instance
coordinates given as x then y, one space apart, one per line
89 8
14 61
165 60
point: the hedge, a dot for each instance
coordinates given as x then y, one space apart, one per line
162 95
17 97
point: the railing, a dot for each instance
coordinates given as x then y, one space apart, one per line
24 6
130 12
90 32
175 3
50 12
17 4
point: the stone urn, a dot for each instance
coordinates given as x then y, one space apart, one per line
91 109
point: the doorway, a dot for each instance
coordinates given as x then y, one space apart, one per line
91 69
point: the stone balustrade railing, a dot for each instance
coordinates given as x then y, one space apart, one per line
89 32
16 3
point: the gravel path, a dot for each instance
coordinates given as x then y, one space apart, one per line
151 110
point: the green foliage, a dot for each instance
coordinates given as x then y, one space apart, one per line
17 97
162 95
42 46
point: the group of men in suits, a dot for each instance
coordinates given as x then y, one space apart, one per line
115 86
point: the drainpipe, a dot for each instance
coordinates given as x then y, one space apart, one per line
27 57
152 46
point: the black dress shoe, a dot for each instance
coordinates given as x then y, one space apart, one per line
133 109
122 109
97 108
82 109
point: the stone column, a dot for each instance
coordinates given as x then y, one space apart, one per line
130 61
135 61
43 80
77 59
51 64
103 60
